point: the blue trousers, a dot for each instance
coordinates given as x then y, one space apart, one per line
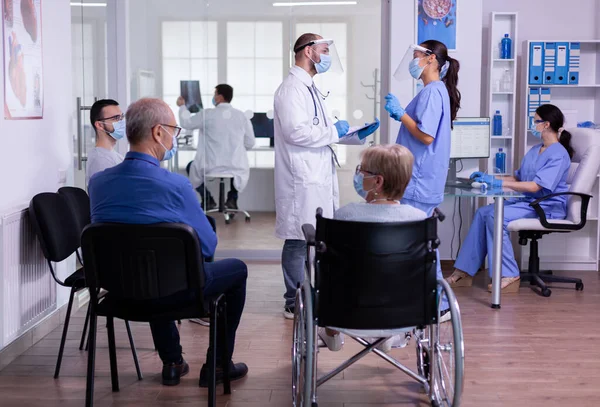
293 257
479 240
221 277
428 209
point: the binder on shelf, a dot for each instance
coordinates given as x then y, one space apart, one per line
561 72
545 96
549 62
533 103
536 61
574 60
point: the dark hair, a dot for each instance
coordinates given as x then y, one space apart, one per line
554 116
96 110
303 41
451 79
226 91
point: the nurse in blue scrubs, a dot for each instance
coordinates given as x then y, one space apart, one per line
427 122
543 171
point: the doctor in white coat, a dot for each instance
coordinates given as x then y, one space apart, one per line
305 174
225 135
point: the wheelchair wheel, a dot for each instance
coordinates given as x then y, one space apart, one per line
302 355
447 355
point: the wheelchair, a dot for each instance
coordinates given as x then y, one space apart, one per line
377 280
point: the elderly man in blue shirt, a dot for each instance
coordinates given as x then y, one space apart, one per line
139 191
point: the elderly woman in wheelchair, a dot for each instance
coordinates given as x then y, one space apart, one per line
374 274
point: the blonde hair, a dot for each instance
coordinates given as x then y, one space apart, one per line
394 163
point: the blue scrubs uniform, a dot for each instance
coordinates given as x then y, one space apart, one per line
549 170
425 191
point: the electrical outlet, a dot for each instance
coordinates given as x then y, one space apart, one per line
62 177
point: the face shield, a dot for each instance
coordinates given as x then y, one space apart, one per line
406 68
324 55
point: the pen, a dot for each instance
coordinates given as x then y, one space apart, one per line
336 118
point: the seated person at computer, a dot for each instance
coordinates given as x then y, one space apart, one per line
109 124
380 179
543 171
227 134
139 191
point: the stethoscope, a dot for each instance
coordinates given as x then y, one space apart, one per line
316 120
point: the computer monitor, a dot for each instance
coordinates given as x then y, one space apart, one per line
263 126
470 138
190 91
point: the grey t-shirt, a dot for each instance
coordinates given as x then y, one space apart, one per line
365 212
99 159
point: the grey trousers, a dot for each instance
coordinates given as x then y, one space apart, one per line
293 257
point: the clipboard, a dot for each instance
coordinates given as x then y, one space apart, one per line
351 137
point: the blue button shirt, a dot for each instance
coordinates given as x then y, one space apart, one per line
431 110
138 191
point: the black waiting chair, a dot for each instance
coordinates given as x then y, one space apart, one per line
59 236
79 203
138 265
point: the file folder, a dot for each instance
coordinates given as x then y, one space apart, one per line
574 60
561 71
549 62
536 61
545 96
533 102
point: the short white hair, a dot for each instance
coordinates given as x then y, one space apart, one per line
143 115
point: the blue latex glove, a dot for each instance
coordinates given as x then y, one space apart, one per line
490 180
392 105
342 127
476 174
366 132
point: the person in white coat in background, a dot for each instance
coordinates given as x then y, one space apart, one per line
225 135
305 175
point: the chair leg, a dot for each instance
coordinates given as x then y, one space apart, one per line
112 352
134 351
64 335
222 315
212 357
558 279
89 387
85 325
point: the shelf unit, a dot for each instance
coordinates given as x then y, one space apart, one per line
576 250
498 98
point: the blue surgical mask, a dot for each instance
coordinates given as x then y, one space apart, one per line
119 130
169 153
535 132
358 185
214 102
415 70
324 65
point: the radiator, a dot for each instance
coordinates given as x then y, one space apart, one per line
27 290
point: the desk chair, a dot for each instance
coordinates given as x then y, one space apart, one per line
581 179
139 265
228 213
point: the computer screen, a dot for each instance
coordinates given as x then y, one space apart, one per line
190 90
263 126
470 138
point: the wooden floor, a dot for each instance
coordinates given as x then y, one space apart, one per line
533 352
260 231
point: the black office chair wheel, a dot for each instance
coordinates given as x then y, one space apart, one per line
579 286
247 219
435 404
227 218
546 292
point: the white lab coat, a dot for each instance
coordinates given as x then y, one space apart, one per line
305 175
225 135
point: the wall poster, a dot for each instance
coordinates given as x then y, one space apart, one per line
436 20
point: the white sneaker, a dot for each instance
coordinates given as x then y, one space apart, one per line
445 316
288 312
386 346
334 343
200 321
400 341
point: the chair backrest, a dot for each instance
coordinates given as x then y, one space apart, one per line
375 275
585 165
79 201
54 225
142 262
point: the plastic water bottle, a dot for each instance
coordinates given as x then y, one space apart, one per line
497 124
500 167
506 47
506 81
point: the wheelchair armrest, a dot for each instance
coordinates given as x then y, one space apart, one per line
437 213
585 200
309 234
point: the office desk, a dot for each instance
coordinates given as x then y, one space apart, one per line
499 195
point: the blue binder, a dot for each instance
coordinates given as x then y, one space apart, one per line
533 102
574 60
545 96
549 62
561 73
536 63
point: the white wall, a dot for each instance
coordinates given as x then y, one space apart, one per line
35 151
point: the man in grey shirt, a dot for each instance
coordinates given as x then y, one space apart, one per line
109 124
